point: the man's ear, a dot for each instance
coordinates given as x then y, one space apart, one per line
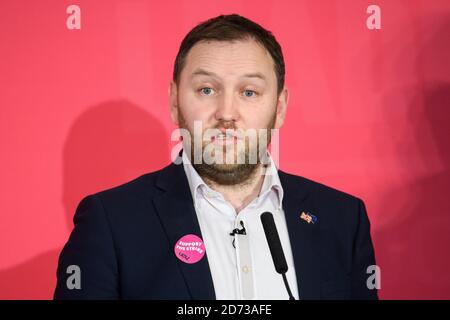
173 100
282 103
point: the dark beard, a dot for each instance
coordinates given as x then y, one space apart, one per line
230 174
237 174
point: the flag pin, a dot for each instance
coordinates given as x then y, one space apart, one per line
308 217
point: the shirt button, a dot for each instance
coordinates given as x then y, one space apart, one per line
245 269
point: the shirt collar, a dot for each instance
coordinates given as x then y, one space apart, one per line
271 181
194 179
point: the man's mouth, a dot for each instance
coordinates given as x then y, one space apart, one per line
224 138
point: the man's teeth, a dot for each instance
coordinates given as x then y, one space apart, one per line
224 136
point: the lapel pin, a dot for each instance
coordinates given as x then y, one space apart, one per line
308 217
190 249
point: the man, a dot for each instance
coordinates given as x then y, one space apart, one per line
193 230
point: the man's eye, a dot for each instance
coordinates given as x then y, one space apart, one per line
207 91
249 93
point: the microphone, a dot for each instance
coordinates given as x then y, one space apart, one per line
238 231
276 250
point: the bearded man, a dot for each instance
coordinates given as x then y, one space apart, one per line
195 229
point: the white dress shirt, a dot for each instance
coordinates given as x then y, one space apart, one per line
247 271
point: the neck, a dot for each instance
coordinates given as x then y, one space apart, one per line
240 195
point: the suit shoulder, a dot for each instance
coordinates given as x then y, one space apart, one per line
316 189
335 207
139 187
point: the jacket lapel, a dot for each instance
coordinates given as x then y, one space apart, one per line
175 208
304 237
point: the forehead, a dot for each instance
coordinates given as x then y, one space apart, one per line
229 58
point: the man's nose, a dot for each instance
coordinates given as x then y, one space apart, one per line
227 108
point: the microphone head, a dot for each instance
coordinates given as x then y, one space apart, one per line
273 240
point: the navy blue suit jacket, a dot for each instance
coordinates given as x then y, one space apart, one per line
123 242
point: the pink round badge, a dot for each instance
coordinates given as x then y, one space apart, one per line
190 248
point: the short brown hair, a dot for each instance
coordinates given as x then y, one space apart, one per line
229 28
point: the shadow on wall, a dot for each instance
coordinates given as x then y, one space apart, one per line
109 144
413 244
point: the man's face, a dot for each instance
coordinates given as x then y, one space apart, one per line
228 85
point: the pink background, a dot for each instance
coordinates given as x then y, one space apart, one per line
83 110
